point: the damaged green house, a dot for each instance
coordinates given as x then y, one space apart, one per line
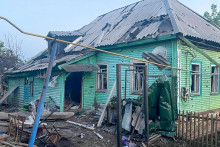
86 76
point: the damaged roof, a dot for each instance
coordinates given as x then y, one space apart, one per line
63 33
42 63
138 21
146 19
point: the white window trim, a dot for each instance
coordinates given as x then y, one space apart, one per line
199 79
102 90
211 80
132 79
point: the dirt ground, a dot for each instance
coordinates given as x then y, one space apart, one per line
77 136
73 134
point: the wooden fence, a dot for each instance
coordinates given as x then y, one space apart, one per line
199 129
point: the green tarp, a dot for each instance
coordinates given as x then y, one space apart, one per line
162 107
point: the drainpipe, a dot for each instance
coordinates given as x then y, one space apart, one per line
53 46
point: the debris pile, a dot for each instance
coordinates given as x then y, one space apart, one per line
162 114
78 127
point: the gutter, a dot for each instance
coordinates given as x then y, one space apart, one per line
198 50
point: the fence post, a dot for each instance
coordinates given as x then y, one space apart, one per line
202 129
190 129
194 128
207 131
212 125
183 124
198 129
186 125
216 130
179 124
119 115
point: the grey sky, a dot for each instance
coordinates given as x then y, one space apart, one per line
42 16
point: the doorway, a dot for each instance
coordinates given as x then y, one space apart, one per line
73 89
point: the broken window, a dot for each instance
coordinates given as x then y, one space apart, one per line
26 81
214 79
31 88
195 78
102 78
137 78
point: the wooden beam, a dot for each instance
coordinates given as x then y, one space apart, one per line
55 115
81 125
6 143
106 104
199 50
7 94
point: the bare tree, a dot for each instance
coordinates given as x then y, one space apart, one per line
10 57
11 42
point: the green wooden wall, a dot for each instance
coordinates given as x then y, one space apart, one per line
88 83
206 100
136 52
89 93
21 96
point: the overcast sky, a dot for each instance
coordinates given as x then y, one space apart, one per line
41 16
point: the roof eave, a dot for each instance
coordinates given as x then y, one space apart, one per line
139 42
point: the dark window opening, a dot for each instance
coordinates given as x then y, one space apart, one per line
31 88
137 76
195 78
214 79
102 77
26 81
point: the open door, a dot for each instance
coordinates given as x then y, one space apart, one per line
73 89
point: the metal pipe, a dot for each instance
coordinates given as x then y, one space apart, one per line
53 44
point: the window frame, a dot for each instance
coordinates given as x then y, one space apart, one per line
200 78
102 90
218 75
31 88
26 81
132 62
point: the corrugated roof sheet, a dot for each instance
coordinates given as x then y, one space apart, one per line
192 24
157 58
111 28
149 30
43 63
63 33
147 15
141 20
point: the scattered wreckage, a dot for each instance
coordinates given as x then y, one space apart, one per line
162 116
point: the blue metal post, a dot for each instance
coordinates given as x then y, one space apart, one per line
53 46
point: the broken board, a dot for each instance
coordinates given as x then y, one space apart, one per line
55 115
7 94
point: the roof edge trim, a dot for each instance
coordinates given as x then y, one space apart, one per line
138 42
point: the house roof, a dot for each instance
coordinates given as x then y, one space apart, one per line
192 24
63 33
138 21
146 19
42 63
